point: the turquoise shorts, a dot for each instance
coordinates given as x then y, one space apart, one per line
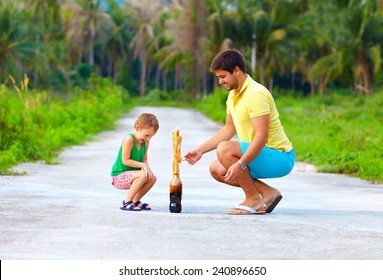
270 163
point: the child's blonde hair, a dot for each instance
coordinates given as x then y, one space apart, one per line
146 120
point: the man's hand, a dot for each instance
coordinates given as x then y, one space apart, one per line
193 156
233 173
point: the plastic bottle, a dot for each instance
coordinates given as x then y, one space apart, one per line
175 194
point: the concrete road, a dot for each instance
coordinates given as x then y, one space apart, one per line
70 211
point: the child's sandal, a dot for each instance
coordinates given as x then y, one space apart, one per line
144 206
129 206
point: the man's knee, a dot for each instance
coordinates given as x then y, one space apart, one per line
228 149
223 148
213 168
216 170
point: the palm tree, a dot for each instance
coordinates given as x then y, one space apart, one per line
365 22
173 53
16 44
353 45
184 53
278 57
266 37
46 19
145 15
85 21
115 50
197 19
312 43
219 20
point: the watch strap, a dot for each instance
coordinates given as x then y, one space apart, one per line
243 166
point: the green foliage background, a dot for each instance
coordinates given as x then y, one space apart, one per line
337 133
36 125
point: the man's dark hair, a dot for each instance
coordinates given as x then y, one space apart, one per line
227 60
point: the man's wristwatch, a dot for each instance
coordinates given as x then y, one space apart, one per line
243 166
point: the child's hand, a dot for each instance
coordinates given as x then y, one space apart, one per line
148 172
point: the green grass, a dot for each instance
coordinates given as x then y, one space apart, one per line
337 133
37 126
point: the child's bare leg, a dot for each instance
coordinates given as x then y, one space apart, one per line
144 189
138 180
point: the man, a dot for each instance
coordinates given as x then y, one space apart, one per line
263 149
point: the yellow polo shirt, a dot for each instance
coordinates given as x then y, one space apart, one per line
255 100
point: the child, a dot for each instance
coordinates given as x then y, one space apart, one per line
131 170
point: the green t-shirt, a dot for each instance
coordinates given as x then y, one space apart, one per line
135 154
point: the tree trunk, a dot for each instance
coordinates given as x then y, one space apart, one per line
293 71
164 85
261 73
158 76
253 55
176 78
204 82
312 88
115 71
364 76
143 76
271 83
91 50
197 33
